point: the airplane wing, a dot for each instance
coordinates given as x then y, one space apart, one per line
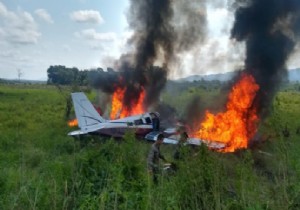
86 130
86 114
152 136
97 127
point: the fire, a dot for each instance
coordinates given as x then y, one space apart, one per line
116 103
73 123
120 111
238 124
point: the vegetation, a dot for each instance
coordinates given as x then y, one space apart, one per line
43 168
61 75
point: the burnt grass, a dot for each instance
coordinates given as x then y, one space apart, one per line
43 168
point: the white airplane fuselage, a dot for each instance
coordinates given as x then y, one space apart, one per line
90 121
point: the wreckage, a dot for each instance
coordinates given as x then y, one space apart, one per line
145 125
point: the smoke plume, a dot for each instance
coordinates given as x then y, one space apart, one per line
190 24
270 29
194 112
162 29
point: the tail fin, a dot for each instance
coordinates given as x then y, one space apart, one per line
85 112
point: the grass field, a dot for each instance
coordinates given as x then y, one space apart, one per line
42 168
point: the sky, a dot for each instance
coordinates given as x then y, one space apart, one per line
35 34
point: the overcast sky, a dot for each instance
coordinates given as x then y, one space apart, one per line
35 34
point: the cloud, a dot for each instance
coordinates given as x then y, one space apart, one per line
66 48
96 40
87 16
44 15
92 35
14 56
7 53
3 10
18 27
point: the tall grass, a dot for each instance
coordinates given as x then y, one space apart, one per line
42 168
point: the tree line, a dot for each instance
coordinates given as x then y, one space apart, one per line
62 75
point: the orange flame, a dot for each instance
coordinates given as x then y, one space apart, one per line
73 123
116 103
120 111
236 126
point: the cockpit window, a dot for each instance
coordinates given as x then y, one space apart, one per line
138 122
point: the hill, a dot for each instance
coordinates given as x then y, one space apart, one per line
22 81
221 77
293 76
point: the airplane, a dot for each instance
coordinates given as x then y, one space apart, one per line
145 125
90 121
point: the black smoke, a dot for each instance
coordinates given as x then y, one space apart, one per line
168 115
161 30
153 33
269 28
104 80
150 20
193 113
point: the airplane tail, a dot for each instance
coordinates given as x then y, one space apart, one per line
85 112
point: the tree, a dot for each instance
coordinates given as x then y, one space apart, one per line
62 75
20 74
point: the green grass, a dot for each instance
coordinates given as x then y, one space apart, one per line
42 168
